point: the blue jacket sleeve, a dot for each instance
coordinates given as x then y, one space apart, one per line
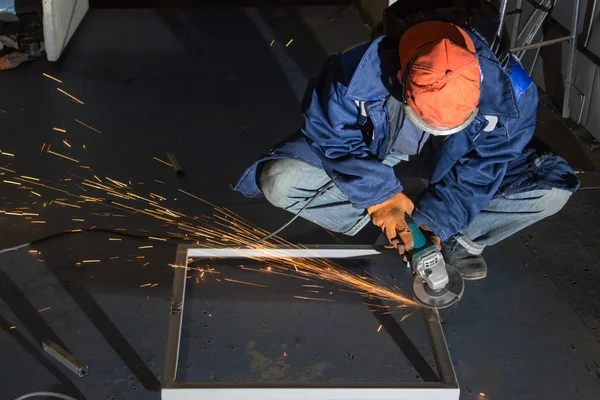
332 127
451 204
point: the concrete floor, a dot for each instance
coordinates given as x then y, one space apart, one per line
205 84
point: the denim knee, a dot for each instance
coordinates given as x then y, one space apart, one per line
554 200
275 185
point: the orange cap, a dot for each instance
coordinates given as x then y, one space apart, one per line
441 87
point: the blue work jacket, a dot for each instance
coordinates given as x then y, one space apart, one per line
469 167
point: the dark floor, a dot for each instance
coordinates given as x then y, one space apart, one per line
206 85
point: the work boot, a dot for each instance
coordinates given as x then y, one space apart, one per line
470 266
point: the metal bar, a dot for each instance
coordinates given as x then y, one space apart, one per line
440 347
516 22
264 393
535 58
308 252
175 318
172 390
175 163
65 358
586 38
530 20
311 385
571 61
502 12
541 44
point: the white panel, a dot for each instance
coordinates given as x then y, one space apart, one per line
312 394
358 251
61 18
593 120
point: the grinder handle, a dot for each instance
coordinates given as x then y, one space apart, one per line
419 239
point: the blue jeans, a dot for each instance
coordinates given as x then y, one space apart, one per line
289 184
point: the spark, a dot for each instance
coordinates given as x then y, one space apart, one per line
272 42
146 284
44 309
59 129
90 261
7 154
38 222
29 177
66 143
148 262
51 77
77 219
71 96
164 162
312 298
115 239
140 257
11 182
157 181
6 169
157 238
160 197
12 327
145 247
44 145
378 329
114 258
244 283
66 204
61 155
87 126
154 285
290 42
32 251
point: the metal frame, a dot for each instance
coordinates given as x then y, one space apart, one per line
446 389
531 28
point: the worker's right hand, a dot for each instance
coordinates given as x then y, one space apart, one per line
390 216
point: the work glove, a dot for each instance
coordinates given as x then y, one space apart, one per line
390 216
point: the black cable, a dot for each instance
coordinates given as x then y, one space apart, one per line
322 190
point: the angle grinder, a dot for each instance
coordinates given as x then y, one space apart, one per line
435 285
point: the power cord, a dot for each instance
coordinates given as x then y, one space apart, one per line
46 394
322 190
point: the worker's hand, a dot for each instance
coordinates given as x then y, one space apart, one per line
429 235
390 216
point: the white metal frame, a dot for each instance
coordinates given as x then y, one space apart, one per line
446 389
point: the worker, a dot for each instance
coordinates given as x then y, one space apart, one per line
437 86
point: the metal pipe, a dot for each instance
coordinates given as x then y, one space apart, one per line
533 15
541 44
535 58
588 33
175 318
502 15
571 61
439 346
65 358
516 22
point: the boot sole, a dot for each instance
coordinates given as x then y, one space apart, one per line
471 278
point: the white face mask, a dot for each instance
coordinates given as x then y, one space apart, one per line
441 131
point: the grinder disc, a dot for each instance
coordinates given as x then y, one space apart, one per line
446 297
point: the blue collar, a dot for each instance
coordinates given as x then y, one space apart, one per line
497 94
